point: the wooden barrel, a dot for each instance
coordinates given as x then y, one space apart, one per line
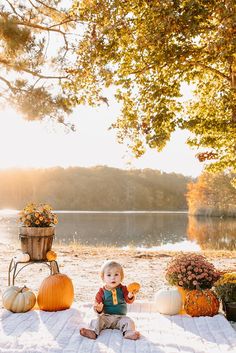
36 241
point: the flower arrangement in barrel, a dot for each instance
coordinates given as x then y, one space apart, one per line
37 215
191 271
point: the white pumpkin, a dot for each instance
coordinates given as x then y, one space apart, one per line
22 257
168 301
18 300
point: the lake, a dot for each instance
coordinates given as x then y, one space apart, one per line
157 230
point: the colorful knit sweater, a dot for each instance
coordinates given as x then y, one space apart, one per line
114 300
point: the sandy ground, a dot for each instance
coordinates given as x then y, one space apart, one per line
82 265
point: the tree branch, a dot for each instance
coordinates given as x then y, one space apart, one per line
48 29
13 89
47 6
66 20
8 84
13 9
33 73
43 28
37 74
212 69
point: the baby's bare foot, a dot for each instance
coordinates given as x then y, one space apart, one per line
132 335
88 333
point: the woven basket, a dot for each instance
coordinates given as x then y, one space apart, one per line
36 241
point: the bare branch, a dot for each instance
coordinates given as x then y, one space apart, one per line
47 6
43 28
36 74
36 82
36 26
13 89
8 84
33 73
13 9
32 4
67 20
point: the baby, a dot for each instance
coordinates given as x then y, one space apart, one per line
111 304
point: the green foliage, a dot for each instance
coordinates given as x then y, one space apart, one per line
33 58
147 49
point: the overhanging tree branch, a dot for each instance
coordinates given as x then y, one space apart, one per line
37 26
8 84
33 73
13 9
209 68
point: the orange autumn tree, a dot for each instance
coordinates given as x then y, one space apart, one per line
212 195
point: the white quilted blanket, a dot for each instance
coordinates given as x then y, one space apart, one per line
58 332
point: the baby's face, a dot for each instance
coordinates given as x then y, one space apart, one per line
112 277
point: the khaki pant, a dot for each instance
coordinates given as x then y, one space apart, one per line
120 322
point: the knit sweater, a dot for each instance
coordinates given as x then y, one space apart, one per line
114 300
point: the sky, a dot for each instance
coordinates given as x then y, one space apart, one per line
41 144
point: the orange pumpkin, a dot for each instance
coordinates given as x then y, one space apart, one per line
201 303
51 255
56 292
133 287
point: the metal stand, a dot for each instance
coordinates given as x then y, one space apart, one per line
13 272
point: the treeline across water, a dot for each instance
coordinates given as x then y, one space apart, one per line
97 188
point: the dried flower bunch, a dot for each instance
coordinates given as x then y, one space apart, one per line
191 271
225 287
40 215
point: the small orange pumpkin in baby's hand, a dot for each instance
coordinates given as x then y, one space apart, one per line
51 255
133 287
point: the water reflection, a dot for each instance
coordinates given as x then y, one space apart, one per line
121 229
157 230
213 232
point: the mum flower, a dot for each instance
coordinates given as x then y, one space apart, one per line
182 271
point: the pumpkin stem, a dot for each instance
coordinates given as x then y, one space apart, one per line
23 289
54 267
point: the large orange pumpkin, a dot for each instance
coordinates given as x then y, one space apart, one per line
56 292
201 303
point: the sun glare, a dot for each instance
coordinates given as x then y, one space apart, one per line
40 144
24 143
8 211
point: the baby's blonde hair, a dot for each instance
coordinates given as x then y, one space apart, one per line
111 264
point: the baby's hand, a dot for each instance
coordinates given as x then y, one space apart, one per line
98 307
131 295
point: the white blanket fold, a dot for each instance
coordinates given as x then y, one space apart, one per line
58 332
